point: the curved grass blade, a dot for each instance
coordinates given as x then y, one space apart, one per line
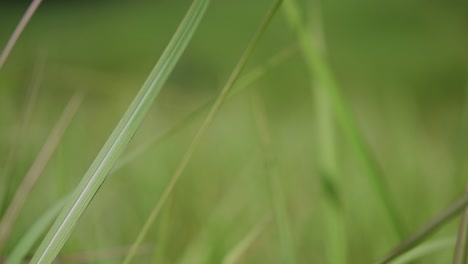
454 209
36 169
118 140
18 30
344 115
425 249
203 128
34 233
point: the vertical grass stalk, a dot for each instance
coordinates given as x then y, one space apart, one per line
203 128
317 64
120 137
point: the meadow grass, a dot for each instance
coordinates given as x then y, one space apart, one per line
313 153
118 140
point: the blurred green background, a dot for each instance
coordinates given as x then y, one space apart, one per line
402 69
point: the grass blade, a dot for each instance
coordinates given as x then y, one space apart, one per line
461 249
34 233
324 76
236 254
276 191
18 30
203 128
38 166
118 140
243 83
428 229
425 249
36 80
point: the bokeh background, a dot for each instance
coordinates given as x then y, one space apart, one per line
401 66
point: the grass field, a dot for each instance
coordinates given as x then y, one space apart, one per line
346 131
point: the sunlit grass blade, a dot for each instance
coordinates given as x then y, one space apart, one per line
35 171
425 249
34 233
238 252
18 30
18 136
118 140
322 72
204 127
242 84
414 239
461 249
278 199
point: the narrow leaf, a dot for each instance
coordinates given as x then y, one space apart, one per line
203 128
120 137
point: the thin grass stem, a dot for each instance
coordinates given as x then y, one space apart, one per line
37 168
438 221
203 129
278 199
18 30
344 116
239 250
120 137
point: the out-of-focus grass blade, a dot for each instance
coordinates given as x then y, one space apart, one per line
334 241
425 249
278 199
244 82
344 116
33 91
204 127
32 236
35 171
236 254
120 137
19 29
418 236
461 249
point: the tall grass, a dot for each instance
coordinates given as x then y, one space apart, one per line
331 92
204 128
118 140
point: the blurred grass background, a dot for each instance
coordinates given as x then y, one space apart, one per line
401 66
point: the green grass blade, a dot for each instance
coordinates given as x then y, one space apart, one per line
37 168
244 82
335 241
18 30
236 254
450 212
461 249
204 127
120 137
324 76
32 236
278 199
33 91
425 249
